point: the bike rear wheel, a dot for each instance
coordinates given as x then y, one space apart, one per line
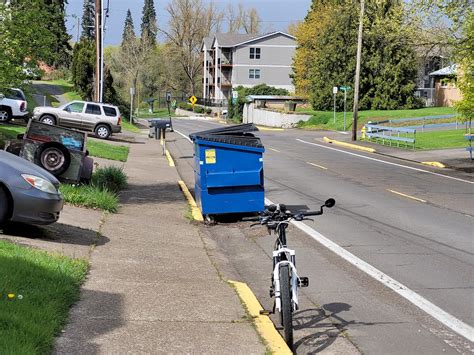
286 308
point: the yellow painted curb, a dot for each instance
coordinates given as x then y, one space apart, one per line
170 159
262 322
434 163
262 128
349 145
197 215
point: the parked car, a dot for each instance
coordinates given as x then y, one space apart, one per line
13 104
102 119
28 193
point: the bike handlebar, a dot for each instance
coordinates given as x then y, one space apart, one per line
279 213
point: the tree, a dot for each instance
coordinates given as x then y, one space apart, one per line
190 21
88 20
23 39
149 27
327 45
465 57
128 29
83 68
56 23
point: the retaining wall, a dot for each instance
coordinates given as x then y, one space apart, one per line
271 118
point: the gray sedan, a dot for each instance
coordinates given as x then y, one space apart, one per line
28 193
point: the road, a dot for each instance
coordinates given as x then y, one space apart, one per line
411 223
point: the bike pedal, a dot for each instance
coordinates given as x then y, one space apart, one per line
303 282
265 312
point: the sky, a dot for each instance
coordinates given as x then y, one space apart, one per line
276 15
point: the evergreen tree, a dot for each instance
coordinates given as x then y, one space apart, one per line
128 29
88 20
149 28
57 25
83 68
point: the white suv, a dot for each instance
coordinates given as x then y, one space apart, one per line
13 105
102 119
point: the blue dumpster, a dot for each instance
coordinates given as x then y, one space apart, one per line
228 170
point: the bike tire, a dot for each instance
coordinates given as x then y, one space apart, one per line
286 308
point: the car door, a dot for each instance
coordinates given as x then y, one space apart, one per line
91 117
71 115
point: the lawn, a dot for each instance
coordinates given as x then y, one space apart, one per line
441 139
107 151
8 132
37 290
324 119
157 113
90 197
127 126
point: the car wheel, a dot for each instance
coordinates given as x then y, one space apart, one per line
5 115
102 131
48 119
53 157
3 207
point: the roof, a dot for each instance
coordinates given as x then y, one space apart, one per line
228 40
446 71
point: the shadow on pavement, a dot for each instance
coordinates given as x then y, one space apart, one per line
84 329
56 233
327 332
159 193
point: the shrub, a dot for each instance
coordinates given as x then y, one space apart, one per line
198 109
208 111
110 178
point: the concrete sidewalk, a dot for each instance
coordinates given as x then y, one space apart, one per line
152 287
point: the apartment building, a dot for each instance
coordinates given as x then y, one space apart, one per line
231 60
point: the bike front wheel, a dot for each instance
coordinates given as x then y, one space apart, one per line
286 313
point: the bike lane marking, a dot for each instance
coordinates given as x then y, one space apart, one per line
385 162
434 311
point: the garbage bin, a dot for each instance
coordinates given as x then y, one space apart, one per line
228 170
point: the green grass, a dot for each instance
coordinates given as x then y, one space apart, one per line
441 139
127 126
111 178
8 132
48 284
90 196
107 151
157 113
324 119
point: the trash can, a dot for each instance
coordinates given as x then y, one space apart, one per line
228 170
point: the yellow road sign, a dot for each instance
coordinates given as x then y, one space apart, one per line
193 99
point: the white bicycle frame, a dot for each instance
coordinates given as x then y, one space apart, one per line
294 277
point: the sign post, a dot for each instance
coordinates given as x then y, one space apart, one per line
334 91
132 94
345 89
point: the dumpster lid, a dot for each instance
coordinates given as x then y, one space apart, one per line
237 135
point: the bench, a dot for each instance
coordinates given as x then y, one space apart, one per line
391 134
469 137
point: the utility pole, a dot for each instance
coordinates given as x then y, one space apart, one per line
98 48
357 75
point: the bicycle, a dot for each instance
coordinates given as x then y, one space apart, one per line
285 279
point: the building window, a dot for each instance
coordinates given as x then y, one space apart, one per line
254 73
254 53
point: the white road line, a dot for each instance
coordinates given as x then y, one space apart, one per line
386 162
185 136
434 311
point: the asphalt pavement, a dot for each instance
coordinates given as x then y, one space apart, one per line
411 222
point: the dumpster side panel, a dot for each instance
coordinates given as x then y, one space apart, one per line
229 179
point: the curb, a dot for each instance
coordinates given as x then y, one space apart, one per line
197 215
434 163
263 324
349 145
263 128
170 159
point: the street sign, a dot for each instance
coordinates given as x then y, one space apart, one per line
132 91
193 99
334 89
235 96
345 88
168 96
